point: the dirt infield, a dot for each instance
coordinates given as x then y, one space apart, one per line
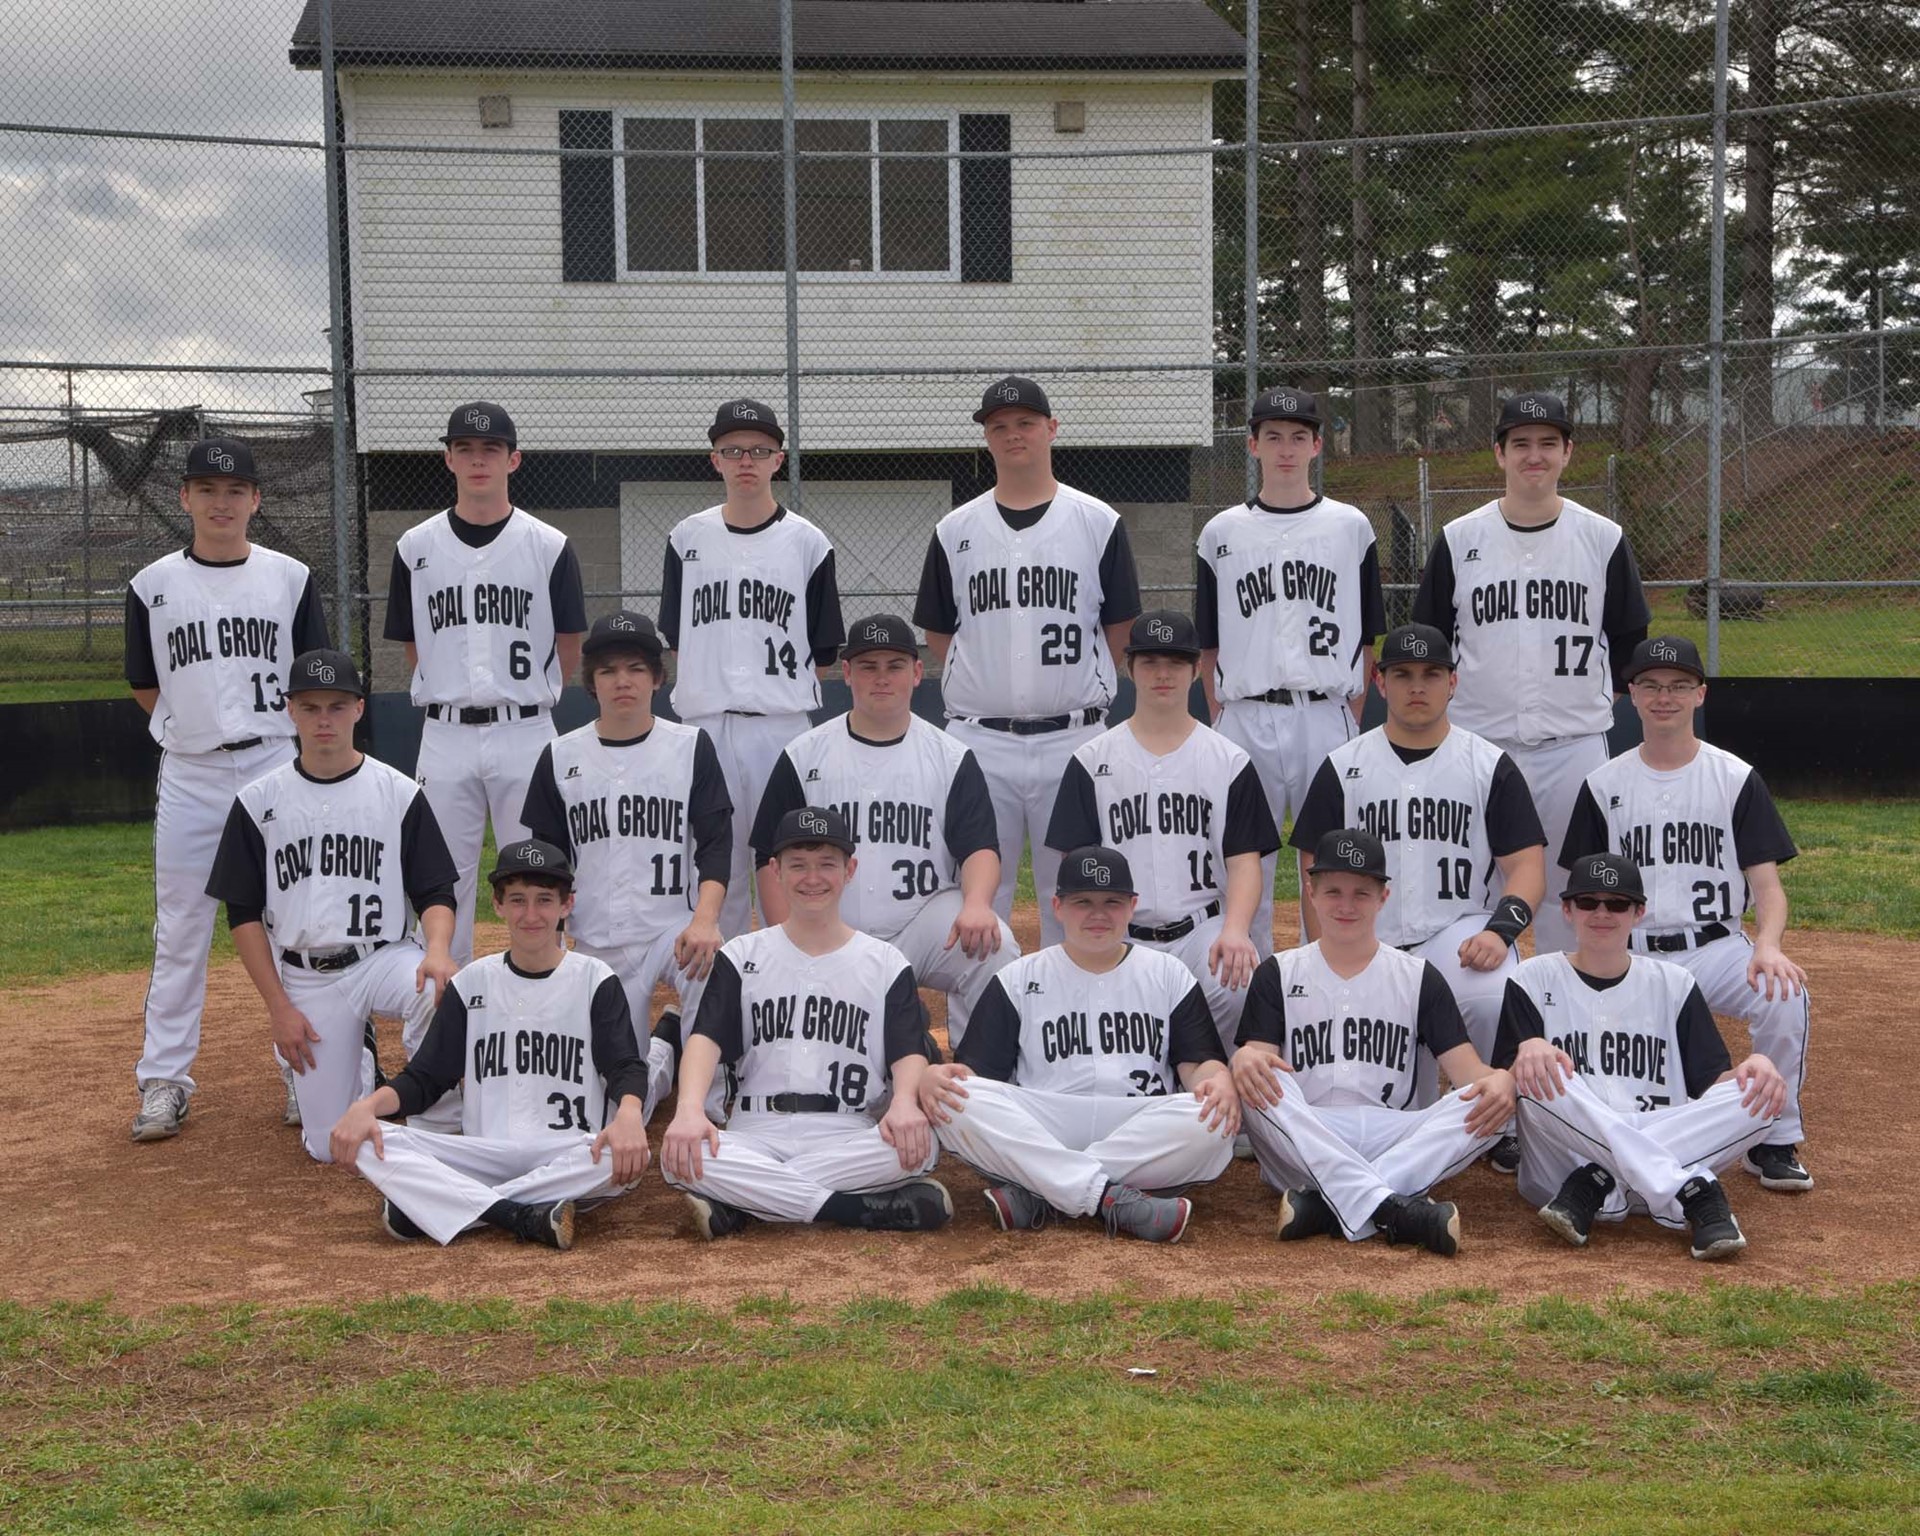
234 1211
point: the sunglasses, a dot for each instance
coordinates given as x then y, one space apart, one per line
1614 904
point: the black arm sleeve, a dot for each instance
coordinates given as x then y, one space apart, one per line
1119 580
1441 1027
1249 827
615 1056
782 794
1323 810
1434 602
719 1016
1191 1035
138 665
310 621
567 593
399 625
935 609
239 875
1759 835
426 867
1586 828
710 813
1373 596
1265 1016
1513 821
1519 1020
1624 615
906 1022
441 1060
826 628
544 813
1703 1054
1206 603
969 821
670 596
1075 822
991 1045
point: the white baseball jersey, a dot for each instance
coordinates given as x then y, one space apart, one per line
1025 605
1046 1024
1443 814
1351 1039
483 616
918 808
1177 818
751 612
643 823
823 1026
1290 599
1540 619
1692 831
217 641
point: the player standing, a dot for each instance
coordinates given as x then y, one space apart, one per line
920 814
1287 599
210 633
1542 601
750 602
1026 596
1703 828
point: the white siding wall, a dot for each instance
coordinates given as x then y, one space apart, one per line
456 264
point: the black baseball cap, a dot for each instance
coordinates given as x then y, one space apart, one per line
1010 392
1349 851
623 630
1094 868
1605 874
811 825
1283 404
1532 408
1415 642
319 671
220 456
880 632
530 857
1163 632
1665 651
746 416
483 421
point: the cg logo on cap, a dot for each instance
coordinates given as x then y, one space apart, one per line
1415 646
1286 402
1532 407
1095 871
1607 875
811 821
745 413
1661 651
1161 630
620 621
1347 849
1009 393
478 420
875 632
535 857
323 672
221 461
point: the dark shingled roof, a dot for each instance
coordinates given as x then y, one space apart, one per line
991 35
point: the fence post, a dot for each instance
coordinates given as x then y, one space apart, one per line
790 195
1251 282
343 583
1613 486
1426 509
1716 332
86 544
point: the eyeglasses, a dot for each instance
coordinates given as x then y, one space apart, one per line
733 452
1656 689
1614 904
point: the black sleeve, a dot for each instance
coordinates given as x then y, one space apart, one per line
719 1016
710 813
1759 835
138 665
1192 1036
426 867
567 593
1441 1027
670 597
1265 1016
782 794
615 1056
1249 827
906 1023
1119 580
1434 602
969 821
238 916
1324 810
826 629
1513 821
1206 603
441 1060
1075 822
239 875
991 1045
1624 615
399 625
544 813
1373 597
1586 826
310 621
935 609
1703 1054
1519 1020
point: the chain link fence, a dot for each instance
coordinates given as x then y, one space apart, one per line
322 227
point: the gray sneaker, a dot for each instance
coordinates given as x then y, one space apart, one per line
1151 1218
162 1107
1017 1208
291 1114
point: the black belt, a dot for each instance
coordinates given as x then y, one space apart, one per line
1166 933
1287 696
239 746
792 1103
494 713
329 960
1045 724
750 714
1673 943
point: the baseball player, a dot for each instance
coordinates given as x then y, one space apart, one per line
1543 604
319 861
639 806
553 1114
750 602
1064 1089
210 634
1628 1098
1326 1069
920 814
1026 596
1186 807
1702 827
826 1027
488 600
1288 602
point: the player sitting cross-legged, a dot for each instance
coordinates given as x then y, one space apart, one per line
824 1024
1326 1069
552 1114
1628 1098
1064 1087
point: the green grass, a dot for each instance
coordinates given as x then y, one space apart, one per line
1800 635
39 666
986 1410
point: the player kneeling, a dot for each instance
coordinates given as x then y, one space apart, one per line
545 1043
1628 1098
1328 1063
1063 1084
823 1023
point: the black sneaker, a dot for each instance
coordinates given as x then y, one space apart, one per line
916 1207
1716 1235
1433 1224
711 1219
1779 1168
1505 1156
1304 1213
398 1223
549 1225
1571 1212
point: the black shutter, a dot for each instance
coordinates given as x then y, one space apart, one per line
586 199
986 199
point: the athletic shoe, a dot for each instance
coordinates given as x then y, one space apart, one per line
550 1225
162 1107
1305 1213
1716 1235
1505 1156
1778 1167
1017 1208
711 1219
1571 1212
1151 1218
919 1206
290 1115
1433 1224
398 1223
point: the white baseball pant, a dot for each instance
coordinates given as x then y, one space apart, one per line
1023 775
1479 995
1288 743
1651 1155
784 1167
748 746
196 791
924 942
468 771
1223 1002
1067 1147
642 966
444 1182
1554 772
